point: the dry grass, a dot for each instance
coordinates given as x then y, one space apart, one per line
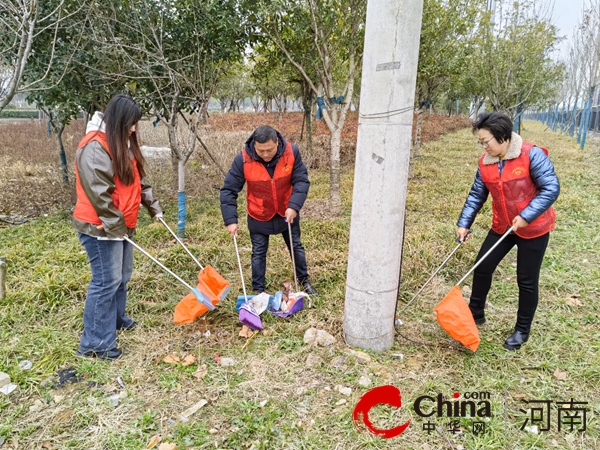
40 320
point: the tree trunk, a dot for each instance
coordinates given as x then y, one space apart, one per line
204 113
172 132
181 200
307 100
417 142
61 152
334 172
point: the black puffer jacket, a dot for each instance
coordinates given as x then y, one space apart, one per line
234 183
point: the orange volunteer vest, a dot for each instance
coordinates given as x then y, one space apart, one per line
512 192
125 198
268 196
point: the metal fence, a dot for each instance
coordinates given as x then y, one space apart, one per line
571 120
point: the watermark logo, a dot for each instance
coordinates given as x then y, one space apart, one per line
475 404
382 395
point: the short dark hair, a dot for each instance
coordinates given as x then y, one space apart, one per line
497 123
264 133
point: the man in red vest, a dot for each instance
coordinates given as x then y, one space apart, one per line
277 188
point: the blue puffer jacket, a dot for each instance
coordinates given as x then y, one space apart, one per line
543 176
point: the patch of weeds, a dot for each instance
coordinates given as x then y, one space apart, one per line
95 370
188 435
261 427
290 343
147 423
168 380
589 319
117 440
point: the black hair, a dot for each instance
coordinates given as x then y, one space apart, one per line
264 133
497 123
121 113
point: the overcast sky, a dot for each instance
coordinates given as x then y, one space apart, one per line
566 15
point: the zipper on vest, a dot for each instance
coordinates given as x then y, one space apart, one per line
504 200
275 202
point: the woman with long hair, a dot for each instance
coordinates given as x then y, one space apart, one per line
109 169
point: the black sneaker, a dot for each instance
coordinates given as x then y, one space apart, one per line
107 355
132 326
307 287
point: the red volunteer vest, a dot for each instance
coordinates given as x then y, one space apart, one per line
268 196
512 192
125 198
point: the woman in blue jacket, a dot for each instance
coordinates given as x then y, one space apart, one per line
521 179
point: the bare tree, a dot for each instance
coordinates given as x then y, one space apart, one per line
322 37
172 54
21 22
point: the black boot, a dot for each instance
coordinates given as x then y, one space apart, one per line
479 320
307 287
515 340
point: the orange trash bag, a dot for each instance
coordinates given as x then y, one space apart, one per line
455 317
211 289
211 286
453 313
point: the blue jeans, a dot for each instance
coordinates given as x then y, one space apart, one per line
104 312
260 246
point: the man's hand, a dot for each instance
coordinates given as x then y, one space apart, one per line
519 222
290 215
232 228
462 234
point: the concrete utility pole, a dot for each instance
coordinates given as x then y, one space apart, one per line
387 99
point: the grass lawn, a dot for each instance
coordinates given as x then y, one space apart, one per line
41 321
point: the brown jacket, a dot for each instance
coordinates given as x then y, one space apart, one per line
96 173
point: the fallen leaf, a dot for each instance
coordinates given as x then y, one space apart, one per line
153 441
246 332
489 339
518 395
47 445
171 359
217 358
188 360
560 375
167 446
200 372
574 301
268 332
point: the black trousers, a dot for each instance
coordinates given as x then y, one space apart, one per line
260 246
530 253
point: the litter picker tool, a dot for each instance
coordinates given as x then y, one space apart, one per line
248 315
294 263
237 252
431 277
195 291
453 313
292 252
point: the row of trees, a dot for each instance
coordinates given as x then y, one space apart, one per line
574 101
173 56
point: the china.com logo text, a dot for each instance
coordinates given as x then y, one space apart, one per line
474 404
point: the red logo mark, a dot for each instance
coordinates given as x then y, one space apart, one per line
382 395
